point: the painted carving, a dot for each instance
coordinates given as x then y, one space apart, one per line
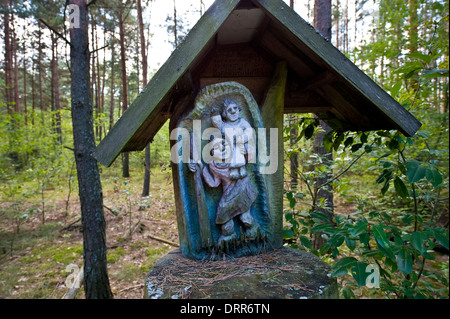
226 211
228 169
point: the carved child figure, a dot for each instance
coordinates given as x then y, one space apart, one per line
233 126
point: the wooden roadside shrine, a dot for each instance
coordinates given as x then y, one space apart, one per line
263 48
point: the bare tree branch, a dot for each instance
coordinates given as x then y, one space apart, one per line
54 31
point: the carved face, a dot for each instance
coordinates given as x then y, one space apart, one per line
232 112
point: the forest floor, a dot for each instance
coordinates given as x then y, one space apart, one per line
38 255
36 260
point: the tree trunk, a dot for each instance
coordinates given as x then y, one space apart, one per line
94 89
90 188
322 23
175 23
98 87
25 107
111 101
33 92
202 6
146 186
346 23
322 17
8 61
413 34
294 156
337 14
41 99
55 89
102 91
125 157
16 65
413 26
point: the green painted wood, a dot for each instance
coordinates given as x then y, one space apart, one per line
145 105
272 113
301 30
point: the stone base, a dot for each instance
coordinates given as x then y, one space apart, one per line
280 274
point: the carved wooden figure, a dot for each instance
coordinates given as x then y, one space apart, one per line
229 186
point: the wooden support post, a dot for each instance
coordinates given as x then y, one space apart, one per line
272 112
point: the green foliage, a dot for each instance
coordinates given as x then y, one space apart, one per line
399 244
398 184
32 161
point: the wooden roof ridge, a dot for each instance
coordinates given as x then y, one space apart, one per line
145 107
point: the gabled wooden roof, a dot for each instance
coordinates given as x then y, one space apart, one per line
241 40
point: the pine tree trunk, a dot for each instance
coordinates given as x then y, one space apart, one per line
322 23
33 92
16 65
175 23
94 88
413 34
90 188
8 61
125 156
102 92
111 101
146 186
55 89
201 7
294 156
322 17
25 106
346 27
41 99
337 20
98 86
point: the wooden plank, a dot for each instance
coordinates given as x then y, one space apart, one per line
357 119
299 30
272 114
145 105
237 60
306 109
297 61
321 79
